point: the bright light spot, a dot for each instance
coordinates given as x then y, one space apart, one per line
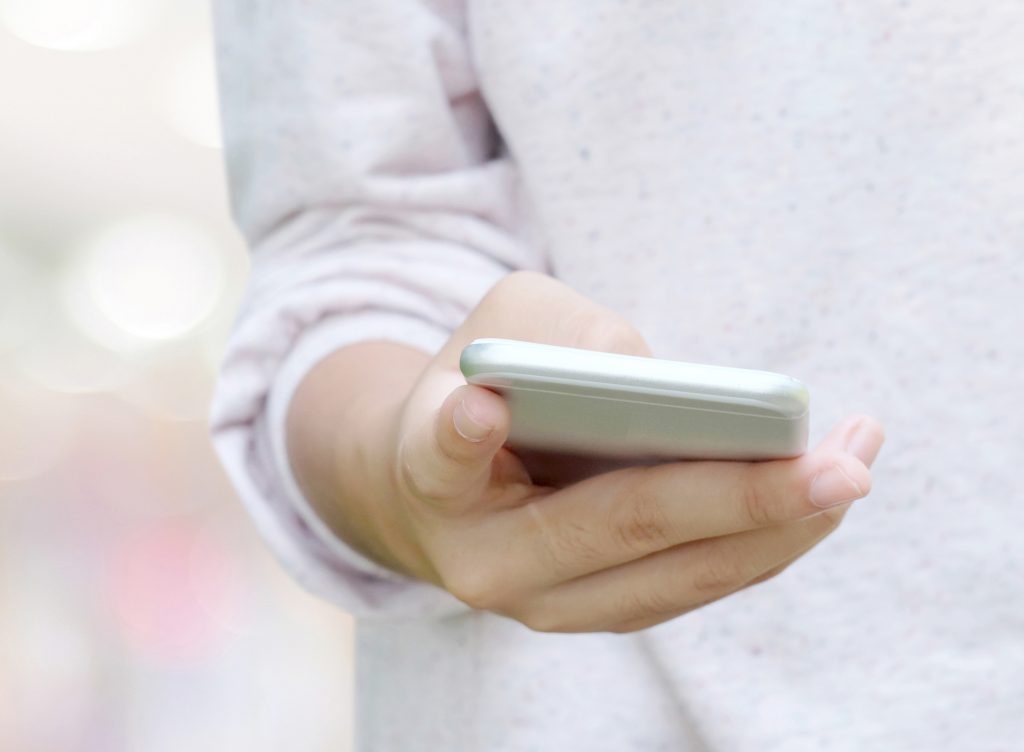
154 277
80 24
151 589
186 93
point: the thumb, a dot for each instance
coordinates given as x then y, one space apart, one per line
446 456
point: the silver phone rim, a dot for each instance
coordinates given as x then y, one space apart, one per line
505 363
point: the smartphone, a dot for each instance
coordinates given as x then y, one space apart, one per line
576 413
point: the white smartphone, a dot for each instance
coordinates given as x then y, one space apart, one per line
576 413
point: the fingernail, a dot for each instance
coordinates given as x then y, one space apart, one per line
468 425
833 486
864 444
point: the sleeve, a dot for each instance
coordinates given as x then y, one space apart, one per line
364 171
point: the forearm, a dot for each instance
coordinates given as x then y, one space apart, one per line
339 428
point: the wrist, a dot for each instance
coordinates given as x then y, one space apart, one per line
365 468
340 425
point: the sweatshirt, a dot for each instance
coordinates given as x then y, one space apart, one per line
830 190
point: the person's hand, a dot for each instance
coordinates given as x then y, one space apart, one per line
616 552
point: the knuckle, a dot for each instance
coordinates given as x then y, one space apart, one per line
567 545
641 525
414 483
408 475
421 477
719 574
756 502
641 605
405 474
446 448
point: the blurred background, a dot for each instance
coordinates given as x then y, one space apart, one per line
138 608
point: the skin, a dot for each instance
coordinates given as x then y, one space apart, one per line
383 441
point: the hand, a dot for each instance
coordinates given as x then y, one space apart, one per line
619 551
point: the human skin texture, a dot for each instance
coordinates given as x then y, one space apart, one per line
405 462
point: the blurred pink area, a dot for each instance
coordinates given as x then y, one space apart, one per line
164 586
138 608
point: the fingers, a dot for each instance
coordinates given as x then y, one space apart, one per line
659 587
865 439
837 514
446 457
509 310
627 514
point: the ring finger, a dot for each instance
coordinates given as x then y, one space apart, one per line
671 582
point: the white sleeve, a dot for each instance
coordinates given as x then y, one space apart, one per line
364 173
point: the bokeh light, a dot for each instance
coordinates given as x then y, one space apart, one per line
152 277
185 92
151 584
139 608
80 24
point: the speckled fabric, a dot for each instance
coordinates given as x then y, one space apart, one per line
833 190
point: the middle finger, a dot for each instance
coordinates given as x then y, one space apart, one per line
623 515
